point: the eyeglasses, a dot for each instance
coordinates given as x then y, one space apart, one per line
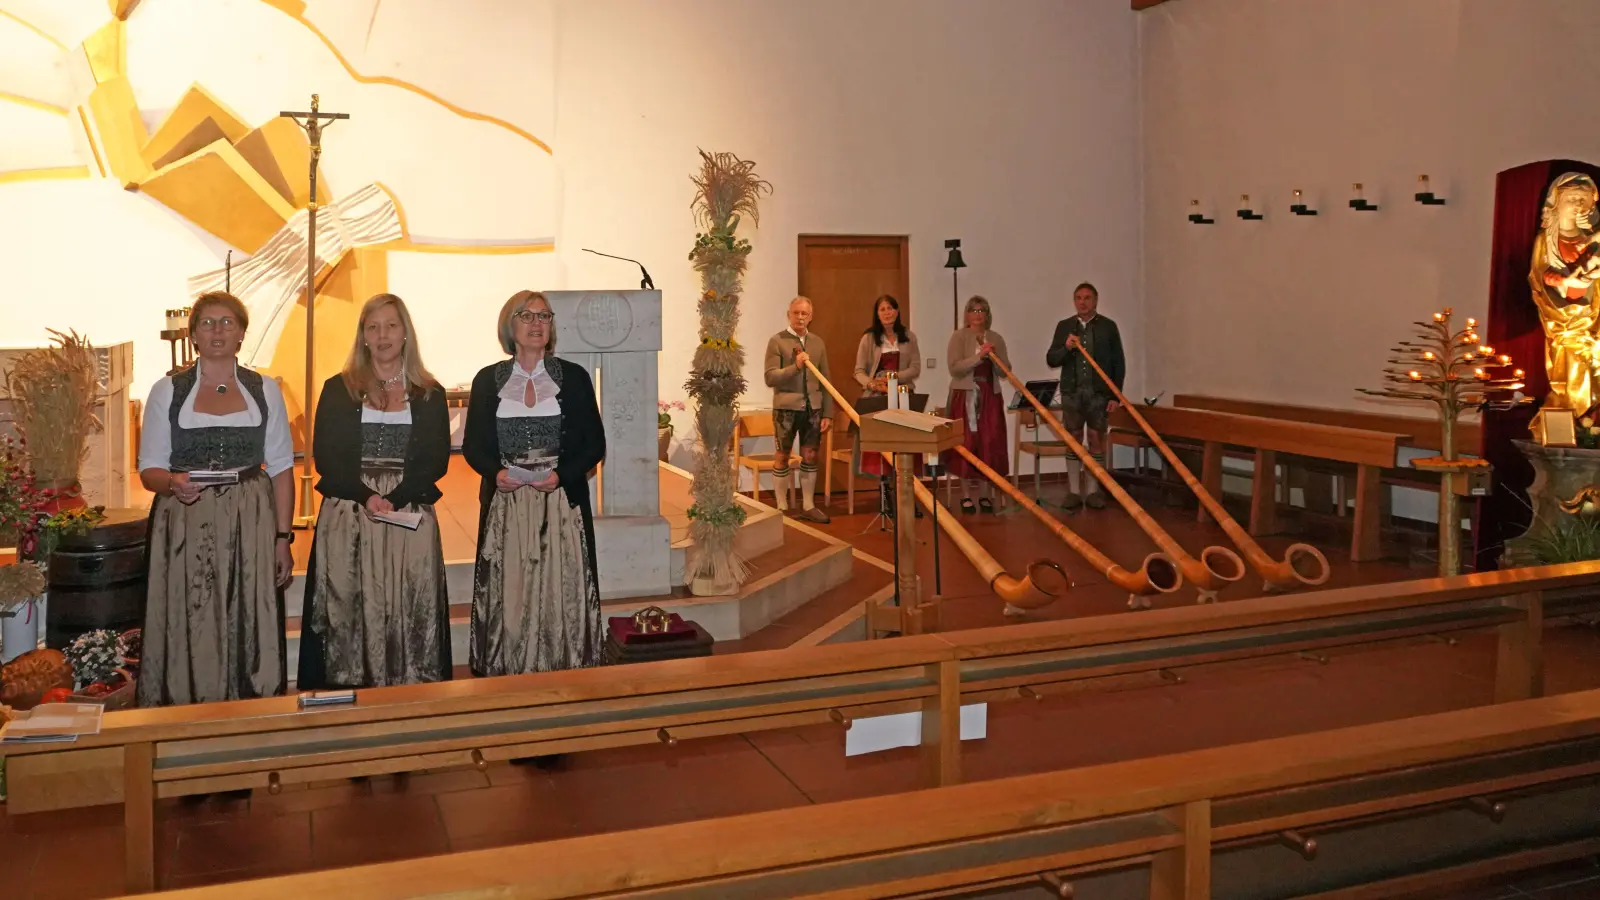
224 323
527 316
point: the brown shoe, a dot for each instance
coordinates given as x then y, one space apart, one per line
1071 500
814 514
1096 500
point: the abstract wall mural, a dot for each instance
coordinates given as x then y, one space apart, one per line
144 142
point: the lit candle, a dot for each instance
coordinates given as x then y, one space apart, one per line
1423 180
1505 360
1427 354
1517 374
1472 323
1414 375
1438 317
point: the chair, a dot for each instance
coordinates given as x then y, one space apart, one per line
1029 419
758 424
845 456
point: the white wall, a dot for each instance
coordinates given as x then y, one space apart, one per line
1011 126
1262 97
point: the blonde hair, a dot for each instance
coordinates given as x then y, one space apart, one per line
978 302
519 302
361 379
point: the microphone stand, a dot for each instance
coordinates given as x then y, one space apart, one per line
645 284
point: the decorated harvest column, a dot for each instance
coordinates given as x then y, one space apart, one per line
616 335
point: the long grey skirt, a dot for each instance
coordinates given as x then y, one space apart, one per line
534 608
213 622
377 603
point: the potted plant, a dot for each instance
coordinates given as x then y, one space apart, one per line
53 393
664 425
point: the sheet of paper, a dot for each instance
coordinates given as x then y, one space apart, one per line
911 419
881 733
206 477
411 520
531 473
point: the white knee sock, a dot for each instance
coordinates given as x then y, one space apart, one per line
780 487
1074 476
808 487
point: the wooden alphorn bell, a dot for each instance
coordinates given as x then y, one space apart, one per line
1277 574
1022 593
1216 565
1158 574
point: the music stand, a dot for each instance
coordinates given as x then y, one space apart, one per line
866 406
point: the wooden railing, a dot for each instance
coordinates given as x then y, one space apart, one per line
1172 815
143 755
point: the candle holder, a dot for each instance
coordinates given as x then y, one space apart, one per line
1425 194
1299 208
1195 215
176 334
1451 370
1358 202
1245 212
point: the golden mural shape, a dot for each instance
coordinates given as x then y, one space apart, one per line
1563 274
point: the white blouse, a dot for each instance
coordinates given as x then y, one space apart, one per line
545 392
155 440
401 416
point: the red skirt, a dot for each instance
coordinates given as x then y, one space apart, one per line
987 442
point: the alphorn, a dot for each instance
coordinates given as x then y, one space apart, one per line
1216 565
1158 574
1021 593
1277 574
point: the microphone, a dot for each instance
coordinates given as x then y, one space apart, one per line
645 284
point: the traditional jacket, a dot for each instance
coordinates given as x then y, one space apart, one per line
583 437
1103 341
337 447
792 385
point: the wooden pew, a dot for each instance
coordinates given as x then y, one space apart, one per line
1369 451
1173 815
1421 432
140 756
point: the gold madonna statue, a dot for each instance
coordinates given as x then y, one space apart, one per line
1566 265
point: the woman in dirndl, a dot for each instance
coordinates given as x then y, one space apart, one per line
216 452
975 397
887 347
376 610
534 433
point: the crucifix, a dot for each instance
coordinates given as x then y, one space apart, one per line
312 122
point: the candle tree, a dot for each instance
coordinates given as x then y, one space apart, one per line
1455 372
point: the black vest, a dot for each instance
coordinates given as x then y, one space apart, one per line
228 447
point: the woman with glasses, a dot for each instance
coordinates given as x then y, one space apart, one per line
376 610
975 396
216 452
534 432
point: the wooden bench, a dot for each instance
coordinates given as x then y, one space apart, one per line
1369 451
1422 434
140 756
1194 821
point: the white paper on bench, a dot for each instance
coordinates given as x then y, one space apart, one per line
411 520
905 730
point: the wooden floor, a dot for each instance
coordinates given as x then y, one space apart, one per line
78 854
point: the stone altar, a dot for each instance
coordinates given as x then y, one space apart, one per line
616 336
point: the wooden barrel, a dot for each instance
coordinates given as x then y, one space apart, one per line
97 580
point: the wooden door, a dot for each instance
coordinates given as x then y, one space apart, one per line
844 275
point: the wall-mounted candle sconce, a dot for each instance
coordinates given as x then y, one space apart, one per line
1299 208
1195 216
1357 202
1244 211
1425 194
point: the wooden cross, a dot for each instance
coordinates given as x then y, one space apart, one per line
312 122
